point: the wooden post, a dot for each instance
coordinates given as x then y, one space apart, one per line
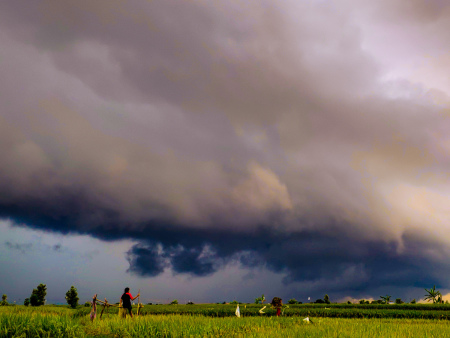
94 308
106 305
139 303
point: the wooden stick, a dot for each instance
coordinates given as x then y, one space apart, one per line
105 305
103 302
139 302
108 304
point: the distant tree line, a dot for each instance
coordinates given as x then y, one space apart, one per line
37 298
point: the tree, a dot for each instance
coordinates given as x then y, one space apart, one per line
386 299
326 299
4 298
292 301
413 301
319 301
260 299
34 300
26 301
72 297
174 302
37 297
432 294
398 301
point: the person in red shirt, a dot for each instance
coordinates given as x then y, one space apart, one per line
277 303
126 299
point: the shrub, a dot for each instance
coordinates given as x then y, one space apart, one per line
4 300
26 301
292 301
413 301
174 302
398 301
87 304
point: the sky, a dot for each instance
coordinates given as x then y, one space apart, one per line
214 151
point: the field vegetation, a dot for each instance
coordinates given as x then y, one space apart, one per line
219 320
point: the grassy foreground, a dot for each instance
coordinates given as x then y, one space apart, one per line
19 321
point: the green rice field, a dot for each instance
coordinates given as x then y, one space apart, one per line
198 321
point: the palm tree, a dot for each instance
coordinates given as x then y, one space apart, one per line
386 299
432 294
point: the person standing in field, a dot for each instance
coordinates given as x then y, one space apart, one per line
126 299
277 303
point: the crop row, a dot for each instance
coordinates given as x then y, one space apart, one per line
213 310
420 311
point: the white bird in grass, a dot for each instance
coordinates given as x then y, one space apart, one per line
308 320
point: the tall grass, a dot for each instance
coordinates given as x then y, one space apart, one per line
183 326
64 322
38 322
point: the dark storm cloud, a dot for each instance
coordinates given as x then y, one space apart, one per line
332 261
145 261
219 132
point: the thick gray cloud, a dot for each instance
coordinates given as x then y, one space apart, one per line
261 133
